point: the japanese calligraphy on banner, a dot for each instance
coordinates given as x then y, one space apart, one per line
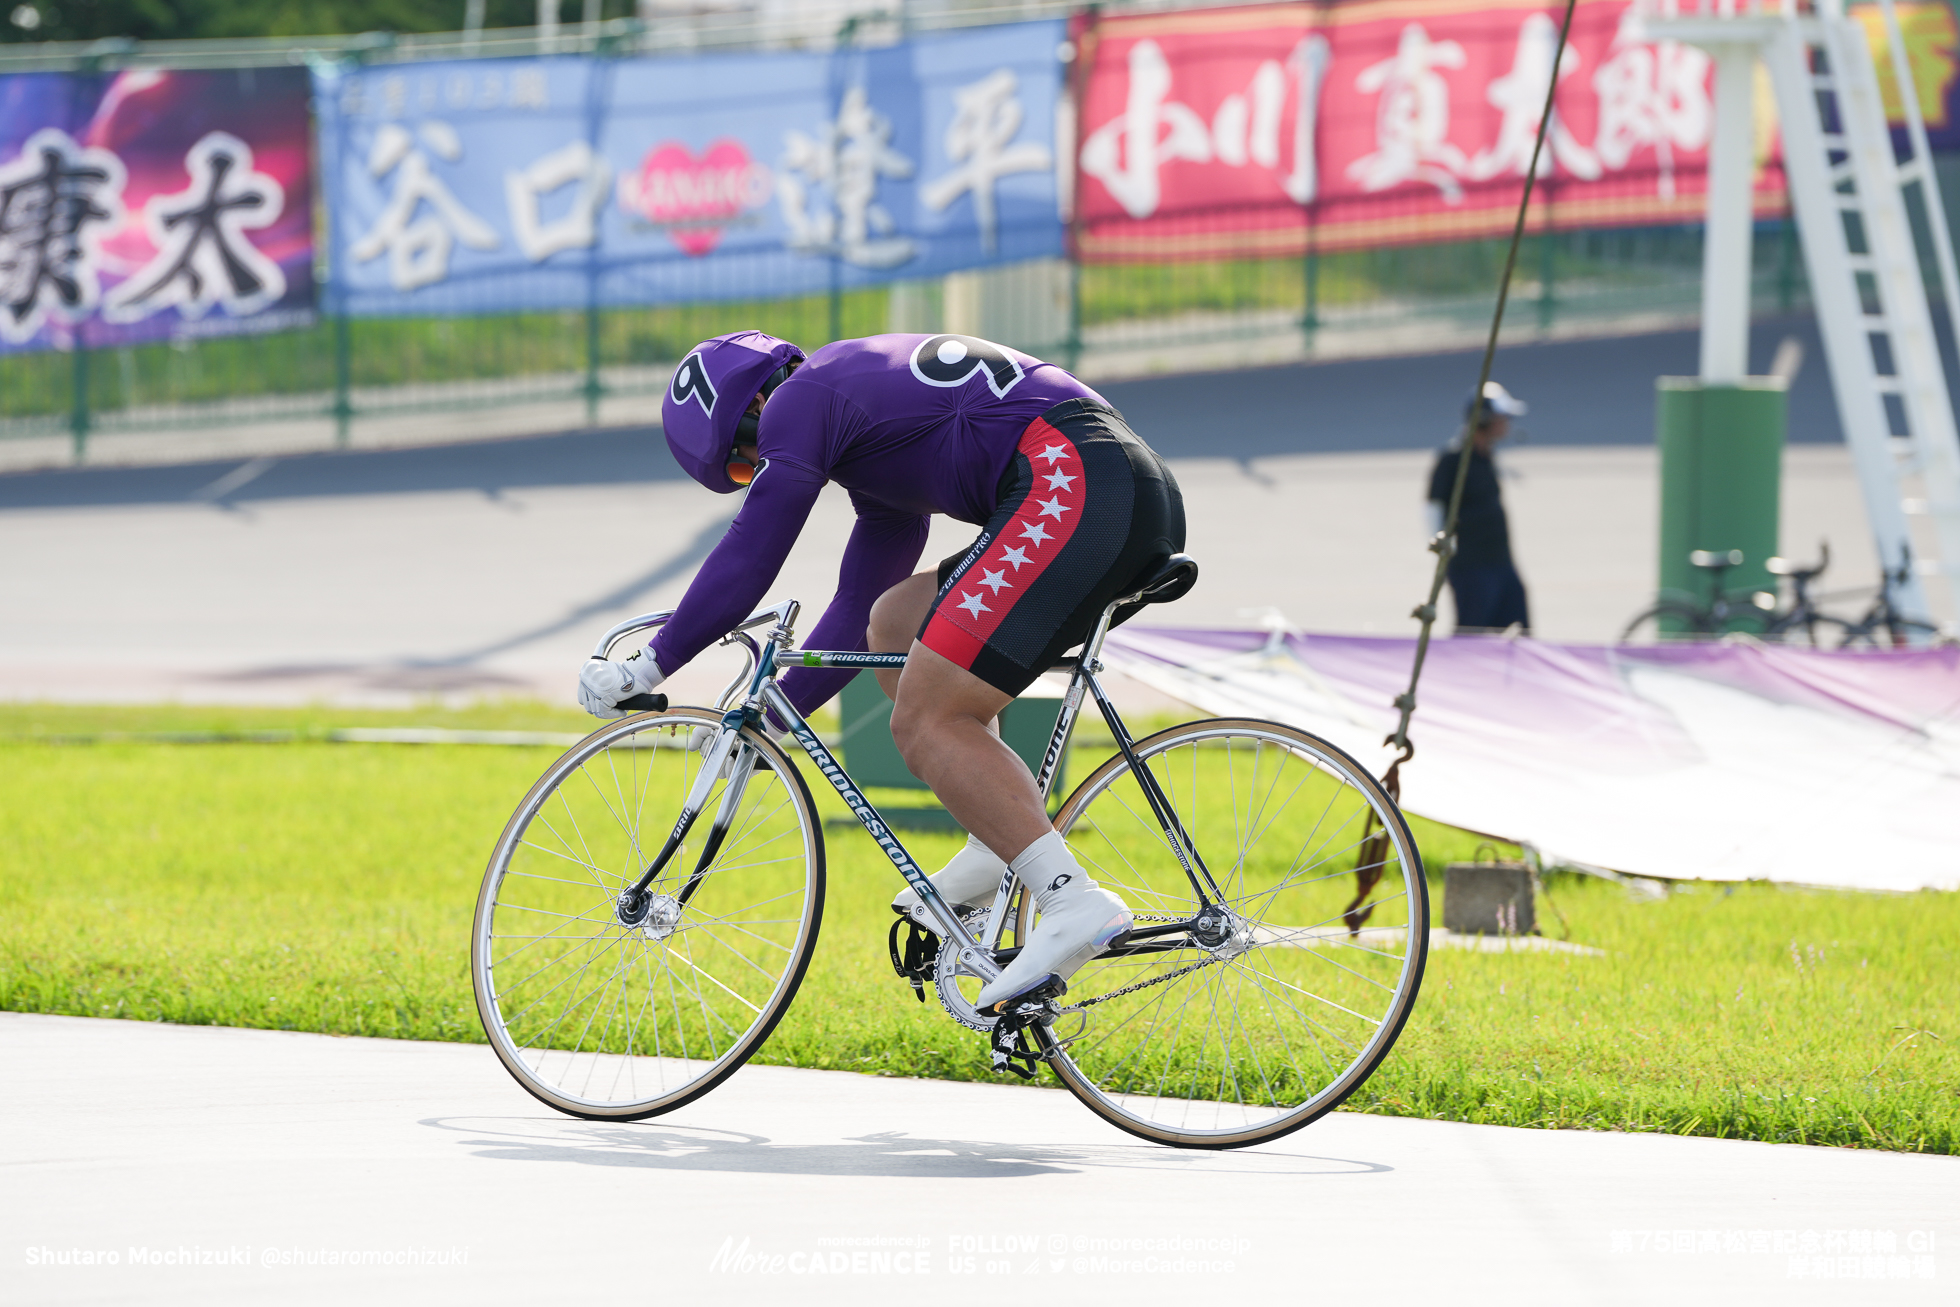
483 186
148 205
1246 132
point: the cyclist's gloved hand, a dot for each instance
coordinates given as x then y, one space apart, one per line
602 684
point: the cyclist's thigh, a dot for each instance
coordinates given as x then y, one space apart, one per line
895 617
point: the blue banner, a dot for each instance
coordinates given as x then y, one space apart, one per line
494 186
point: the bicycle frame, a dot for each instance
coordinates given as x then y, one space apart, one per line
759 693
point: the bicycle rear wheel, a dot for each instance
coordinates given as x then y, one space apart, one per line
1293 1006
604 1019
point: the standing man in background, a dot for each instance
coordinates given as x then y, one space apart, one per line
1484 582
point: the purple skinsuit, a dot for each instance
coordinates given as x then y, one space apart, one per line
857 413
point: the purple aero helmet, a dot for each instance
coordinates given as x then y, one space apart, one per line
709 394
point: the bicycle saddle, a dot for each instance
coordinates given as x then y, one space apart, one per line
1713 558
1171 580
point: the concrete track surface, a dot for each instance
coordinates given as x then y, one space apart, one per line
284 1154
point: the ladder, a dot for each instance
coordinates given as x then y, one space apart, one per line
1847 189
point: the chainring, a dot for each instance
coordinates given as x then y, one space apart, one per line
945 982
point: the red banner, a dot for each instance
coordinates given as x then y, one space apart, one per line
1260 132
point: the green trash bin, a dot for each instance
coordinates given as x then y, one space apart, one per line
865 742
1721 453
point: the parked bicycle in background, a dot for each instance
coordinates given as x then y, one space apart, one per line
1756 613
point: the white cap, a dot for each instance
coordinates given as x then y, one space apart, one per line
1498 401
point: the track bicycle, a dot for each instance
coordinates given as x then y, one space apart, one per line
1694 619
1883 626
1802 622
652 905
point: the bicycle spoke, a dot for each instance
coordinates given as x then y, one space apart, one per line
598 1016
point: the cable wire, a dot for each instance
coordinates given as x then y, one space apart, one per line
1443 544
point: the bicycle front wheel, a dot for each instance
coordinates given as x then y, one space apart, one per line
1646 628
620 1015
1275 1017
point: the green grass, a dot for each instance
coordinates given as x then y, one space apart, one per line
385 352
315 886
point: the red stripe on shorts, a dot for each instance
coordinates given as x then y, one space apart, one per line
978 601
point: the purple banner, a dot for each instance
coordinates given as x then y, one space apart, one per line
153 205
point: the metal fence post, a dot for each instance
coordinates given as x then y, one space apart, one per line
1547 295
1074 346
593 388
1786 272
1310 317
78 412
1547 265
343 379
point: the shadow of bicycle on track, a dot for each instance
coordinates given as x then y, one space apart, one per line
892 1154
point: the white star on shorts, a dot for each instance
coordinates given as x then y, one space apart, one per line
1017 556
1053 454
1053 507
1060 481
973 605
994 581
1035 532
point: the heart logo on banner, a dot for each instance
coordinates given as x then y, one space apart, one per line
694 199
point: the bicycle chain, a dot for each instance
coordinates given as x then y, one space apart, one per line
1141 984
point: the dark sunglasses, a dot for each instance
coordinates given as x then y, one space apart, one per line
740 470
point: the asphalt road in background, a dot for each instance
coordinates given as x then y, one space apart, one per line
1582 393
489 568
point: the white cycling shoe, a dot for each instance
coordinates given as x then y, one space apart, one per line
1079 920
968 881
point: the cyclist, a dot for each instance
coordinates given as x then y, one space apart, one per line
1073 508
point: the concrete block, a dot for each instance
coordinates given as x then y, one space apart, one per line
1489 898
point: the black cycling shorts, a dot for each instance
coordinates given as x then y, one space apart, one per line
1086 512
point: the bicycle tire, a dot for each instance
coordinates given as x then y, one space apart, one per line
1695 618
673 1003
1311 885
1887 635
1811 633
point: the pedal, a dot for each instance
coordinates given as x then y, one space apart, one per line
916 960
1012 1049
1050 986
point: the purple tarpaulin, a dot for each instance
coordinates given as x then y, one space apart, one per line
1724 761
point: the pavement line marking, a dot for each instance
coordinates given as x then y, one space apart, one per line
238 477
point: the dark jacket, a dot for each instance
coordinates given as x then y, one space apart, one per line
1483 534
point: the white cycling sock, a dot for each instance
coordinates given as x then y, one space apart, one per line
972 875
968 880
1048 867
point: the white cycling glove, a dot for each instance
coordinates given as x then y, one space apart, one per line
602 684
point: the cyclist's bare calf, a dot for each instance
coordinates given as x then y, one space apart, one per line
942 721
